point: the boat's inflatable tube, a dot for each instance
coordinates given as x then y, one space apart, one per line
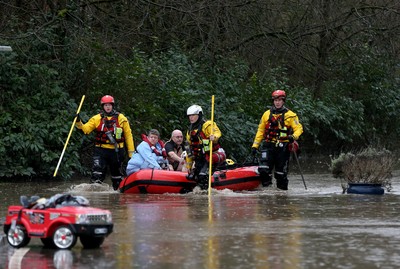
164 181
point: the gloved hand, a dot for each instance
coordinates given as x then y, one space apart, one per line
291 138
254 151
78 117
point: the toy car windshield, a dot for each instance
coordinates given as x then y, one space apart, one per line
56 201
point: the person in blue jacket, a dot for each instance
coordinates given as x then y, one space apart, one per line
150 154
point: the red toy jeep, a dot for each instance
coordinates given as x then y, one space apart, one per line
57 221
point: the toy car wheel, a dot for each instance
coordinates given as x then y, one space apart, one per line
64 237
91 242
18 237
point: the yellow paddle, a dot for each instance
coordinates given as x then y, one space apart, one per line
69 135
211 146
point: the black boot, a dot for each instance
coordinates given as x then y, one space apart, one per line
96 180
115 182
202 181
266 183
282 183
190 177
266 179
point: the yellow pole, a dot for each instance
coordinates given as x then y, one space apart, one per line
69 135
211 146
211 256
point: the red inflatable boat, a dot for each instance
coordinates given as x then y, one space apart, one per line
163 181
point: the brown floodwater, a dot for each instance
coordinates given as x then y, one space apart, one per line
315 228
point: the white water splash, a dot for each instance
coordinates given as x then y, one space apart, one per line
95 187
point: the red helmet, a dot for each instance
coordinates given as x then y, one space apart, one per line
279 93
107 99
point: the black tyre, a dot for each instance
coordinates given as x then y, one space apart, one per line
18 237
91 242
64 237
48 242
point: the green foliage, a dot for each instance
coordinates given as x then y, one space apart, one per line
54 65
363 100
154 92
33 126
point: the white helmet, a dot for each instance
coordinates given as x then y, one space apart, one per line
194 110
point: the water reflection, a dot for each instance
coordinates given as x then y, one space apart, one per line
198 232
39 257
314 228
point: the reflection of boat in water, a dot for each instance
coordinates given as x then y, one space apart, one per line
164 181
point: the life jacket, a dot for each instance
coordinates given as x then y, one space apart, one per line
275 129
155 150
109 125
197 142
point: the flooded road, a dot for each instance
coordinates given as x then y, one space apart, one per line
315 228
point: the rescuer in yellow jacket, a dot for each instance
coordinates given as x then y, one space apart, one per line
278 128
113 132
199 136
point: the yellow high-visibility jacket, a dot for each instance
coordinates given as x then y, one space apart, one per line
96 120
291 122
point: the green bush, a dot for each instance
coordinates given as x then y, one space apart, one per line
154 91
36 116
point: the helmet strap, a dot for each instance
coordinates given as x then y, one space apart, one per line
112 112
280 110
198 123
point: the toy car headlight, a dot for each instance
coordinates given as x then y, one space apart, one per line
93 218
82 219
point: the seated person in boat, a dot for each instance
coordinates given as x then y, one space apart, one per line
175 151
150 154
199 135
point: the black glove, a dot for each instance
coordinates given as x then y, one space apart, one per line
254 151
291 138
78 117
